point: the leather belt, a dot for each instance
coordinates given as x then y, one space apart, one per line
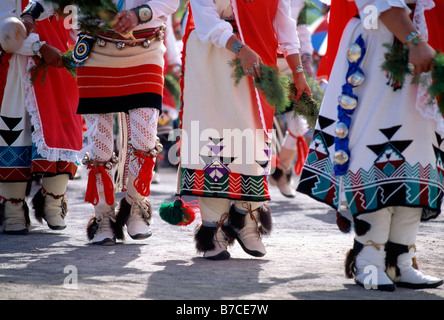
143 38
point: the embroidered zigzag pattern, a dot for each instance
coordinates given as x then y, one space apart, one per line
231 185
187 180
372 189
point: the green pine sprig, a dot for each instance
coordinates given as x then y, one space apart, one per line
94 15
395 64
303 15
271 84
41 67
436 89
307 107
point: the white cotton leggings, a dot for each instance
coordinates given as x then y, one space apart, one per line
143 124
395 224
212 209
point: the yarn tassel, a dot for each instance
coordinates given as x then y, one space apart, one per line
343 223
178 212
92 194
143 181
302 154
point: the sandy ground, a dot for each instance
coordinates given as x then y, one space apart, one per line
304 260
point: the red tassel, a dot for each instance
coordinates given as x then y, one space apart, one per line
108 186
189 212
343 223
92 194
143 181
302 155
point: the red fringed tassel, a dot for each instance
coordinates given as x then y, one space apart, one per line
92 194
343 223
189 212
143 181
302 155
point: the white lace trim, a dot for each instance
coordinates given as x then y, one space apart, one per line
426 106
50 154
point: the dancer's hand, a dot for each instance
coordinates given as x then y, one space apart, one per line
421 56
250 61
52 56
399 23
301 85
28 22
127 21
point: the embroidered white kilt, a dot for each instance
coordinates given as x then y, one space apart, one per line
395 153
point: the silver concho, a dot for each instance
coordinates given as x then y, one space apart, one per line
101 43
120 45
356 78
341 130
354 52
347 102
341 157
145 14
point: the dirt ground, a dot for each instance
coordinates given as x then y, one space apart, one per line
304 260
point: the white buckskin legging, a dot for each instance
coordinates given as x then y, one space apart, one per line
143 123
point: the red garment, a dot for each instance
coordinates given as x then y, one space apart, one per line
341 11
262 39
259 36
435 25
58 97
189 26
117 82
4 66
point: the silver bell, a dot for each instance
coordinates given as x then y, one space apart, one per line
341 130
101 43
146 43
108 165
160 36
114 158
356 78
120 45
85 160
354 52
158 146
347 102
341 157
